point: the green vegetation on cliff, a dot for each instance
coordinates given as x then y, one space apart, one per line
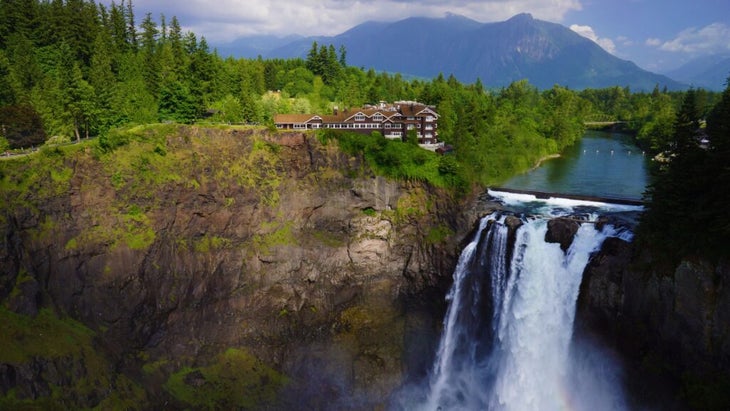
235 380
57 366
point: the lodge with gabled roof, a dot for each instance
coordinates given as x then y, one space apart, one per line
393 121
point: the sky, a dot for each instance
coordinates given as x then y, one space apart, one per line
657 35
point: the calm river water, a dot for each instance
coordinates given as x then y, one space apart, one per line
600 164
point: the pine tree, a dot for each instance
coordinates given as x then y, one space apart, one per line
678 200
175 38
131 25
718 130
343 56
18 17
103 81
313 62
148 51
118 28
7 96
76 94
24 70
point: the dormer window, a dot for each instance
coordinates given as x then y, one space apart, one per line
378 117
359 117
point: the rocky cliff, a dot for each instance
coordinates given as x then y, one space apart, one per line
215 268
672 323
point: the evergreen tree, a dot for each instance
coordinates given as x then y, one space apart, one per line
118 28
177 103
76 95
687 124
148 49
103 81
679 200
175 39
202 73
718 130
131 25
343 56
24 70
19 17
313 61
7 96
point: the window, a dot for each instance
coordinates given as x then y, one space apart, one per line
429 118
359 117
378 117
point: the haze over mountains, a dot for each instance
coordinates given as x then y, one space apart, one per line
709 72
497 53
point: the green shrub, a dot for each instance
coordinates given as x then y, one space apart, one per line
235 380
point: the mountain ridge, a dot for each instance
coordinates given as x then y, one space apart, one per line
710 72
498 53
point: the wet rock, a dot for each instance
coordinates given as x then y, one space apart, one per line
512 222
562 231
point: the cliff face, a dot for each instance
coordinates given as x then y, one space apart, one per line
187 255
672 322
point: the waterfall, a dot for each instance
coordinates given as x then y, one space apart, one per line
507 342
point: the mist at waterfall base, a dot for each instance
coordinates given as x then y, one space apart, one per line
508 337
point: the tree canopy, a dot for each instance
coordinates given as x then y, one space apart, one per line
76 68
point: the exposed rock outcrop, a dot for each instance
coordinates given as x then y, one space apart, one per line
172 250
562 231
673 323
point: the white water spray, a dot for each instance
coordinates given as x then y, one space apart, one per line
507 341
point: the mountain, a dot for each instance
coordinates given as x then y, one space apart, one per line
710 72
252 47
497 53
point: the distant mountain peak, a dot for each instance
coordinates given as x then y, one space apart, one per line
522 17
450 15
498 53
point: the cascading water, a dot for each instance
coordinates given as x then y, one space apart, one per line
507 342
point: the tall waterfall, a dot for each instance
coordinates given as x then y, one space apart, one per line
507 342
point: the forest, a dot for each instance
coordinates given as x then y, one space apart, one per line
73 69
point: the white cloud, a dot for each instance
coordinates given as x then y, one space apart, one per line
625 41
224 20
714 38
587 32
653 42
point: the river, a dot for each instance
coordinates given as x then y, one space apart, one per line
599 164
